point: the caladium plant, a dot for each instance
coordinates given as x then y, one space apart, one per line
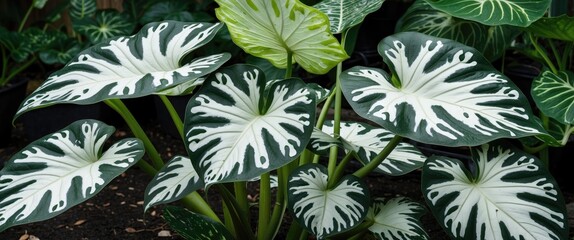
241 125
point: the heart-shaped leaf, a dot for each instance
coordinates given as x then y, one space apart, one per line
491 41
368 141
494 12
106 24
172 182
323 211
396 218
441 92
509 195
554 95
272 28
61 170
344 14
193 226
234 132
124 68
561 28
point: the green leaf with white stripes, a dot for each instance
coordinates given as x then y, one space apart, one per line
172 182
554 95
396 218
130 67
491 41
367 142
441 92
61 170
323 211
508 194
82 8
235 132
271 29
193 226
494 12
344 14
106 24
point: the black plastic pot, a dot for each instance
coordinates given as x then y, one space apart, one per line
10 98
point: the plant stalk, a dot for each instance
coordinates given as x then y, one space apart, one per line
239 217
365 170
264 206
334 179
173 114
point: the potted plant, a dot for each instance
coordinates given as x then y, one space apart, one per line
241 126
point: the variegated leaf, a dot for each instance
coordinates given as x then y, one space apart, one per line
554 95
193 226
368 141
129 67
323 211
234 132
174 181
61 170
396 218
491 41
272 28
495 12
508 195
441 92
344 14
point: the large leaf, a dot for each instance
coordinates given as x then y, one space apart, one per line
106 24
554 95
368 141
272 28
495 12
396 218
344 14
509 195
193 226
82 9
324 211
129 67
61 170
235 132
441 92
491 41
561 28
172 182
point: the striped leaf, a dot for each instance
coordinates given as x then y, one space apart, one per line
61 170
344 14
106 24
396 218
554 95
193 226
82 8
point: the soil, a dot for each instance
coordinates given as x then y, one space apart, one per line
117 211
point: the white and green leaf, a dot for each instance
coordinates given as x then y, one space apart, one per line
494 12
130 67
344 14
396 218
323 211
193 226
271 29
61 170
235 132
508 195
441 92
173 181
491 41
554 95
106 24
367 142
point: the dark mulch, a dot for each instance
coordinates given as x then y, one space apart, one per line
117 211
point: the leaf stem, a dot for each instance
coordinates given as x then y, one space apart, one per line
542 53
244 228
173 114
334 179
334 152
365 170
264 205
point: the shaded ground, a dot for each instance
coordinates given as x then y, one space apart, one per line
117 211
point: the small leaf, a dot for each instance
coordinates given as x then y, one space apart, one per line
345 14
396 218
105 25
193 226
322 211
561 28
554 95
82 8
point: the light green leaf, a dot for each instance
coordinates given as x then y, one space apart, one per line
271 28
508 195
82 9
124 68
367 142
234 132
396 218
561 28
441 92
193 226
61 170
173 181
322 211
494 12
344 14
491 41
39 4
105 25
554 95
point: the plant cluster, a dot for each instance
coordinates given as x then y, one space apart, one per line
243 125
